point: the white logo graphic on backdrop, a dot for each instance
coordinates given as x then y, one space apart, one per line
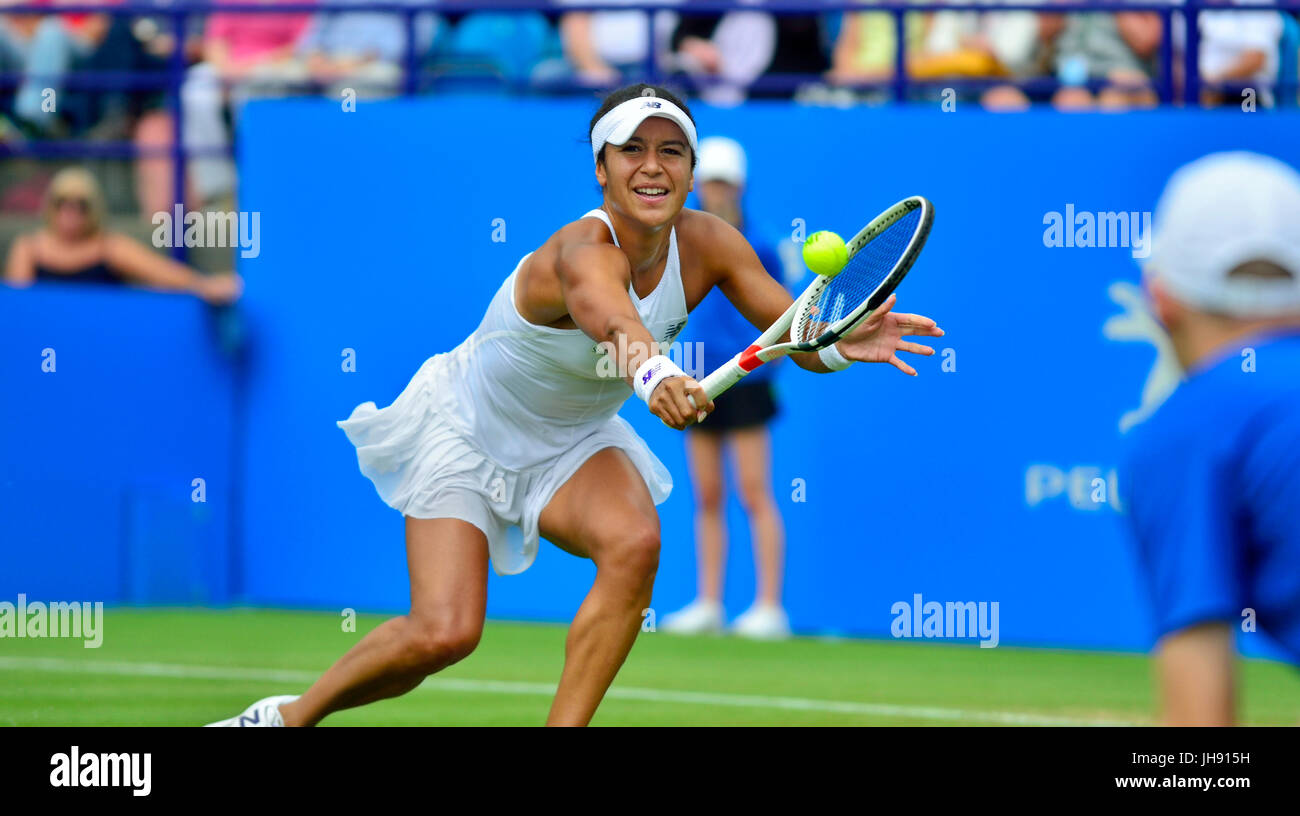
1086 487
1092 487
1137 324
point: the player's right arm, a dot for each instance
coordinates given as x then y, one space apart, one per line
594 279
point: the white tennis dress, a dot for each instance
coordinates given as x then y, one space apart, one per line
488 431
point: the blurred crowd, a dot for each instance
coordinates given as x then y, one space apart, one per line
105 77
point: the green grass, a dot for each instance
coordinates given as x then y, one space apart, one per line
188 667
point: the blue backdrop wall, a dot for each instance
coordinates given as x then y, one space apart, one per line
384 232
974 484
116 448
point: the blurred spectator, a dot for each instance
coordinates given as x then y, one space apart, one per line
250 55
515 47
866 49
603 48
127 46
17 32
981 45
74 245
724 53
1118 50
47 48
363 50
802 50
1239 48
153 42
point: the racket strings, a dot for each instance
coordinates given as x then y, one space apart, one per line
865 272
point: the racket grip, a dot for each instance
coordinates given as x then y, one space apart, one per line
721 379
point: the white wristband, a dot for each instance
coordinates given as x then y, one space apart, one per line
832 359
652 372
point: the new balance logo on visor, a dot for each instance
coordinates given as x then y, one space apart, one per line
653 104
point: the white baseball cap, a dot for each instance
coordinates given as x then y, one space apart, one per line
721 159
621 122
1219 212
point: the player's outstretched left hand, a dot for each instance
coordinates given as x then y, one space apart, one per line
880 337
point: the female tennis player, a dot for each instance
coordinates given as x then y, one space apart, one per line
517 426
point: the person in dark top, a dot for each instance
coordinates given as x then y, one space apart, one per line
74 246
724 53
738 424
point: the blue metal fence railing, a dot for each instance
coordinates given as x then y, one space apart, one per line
170 80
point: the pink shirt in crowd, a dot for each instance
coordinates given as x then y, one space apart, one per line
248 36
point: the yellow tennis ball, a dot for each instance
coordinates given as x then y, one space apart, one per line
825 253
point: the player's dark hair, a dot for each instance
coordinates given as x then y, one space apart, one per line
617 97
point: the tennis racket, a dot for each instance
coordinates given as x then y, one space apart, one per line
832 306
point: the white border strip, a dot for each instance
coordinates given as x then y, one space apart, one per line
288 676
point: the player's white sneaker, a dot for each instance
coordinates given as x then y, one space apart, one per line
699 617
763 622
264 713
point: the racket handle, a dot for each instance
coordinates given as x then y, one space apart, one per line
720 380
731 372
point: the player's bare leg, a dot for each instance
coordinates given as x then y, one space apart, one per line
448 563
605 513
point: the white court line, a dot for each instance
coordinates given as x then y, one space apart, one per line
132 669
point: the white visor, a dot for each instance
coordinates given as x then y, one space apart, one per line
619 125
